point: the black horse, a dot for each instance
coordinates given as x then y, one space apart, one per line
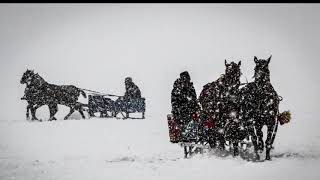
220 102
39 92
259 104
30 95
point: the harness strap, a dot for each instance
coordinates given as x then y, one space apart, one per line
99 93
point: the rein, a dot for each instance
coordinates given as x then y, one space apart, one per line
99 93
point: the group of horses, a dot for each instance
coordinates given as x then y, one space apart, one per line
239 111
38 92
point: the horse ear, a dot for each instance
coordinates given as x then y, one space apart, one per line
269 59
255 59
239 63
225 62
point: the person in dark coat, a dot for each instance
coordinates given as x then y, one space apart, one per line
184 99
132 90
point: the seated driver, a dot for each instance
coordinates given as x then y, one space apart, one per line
132 90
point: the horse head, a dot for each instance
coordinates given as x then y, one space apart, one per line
261 70
27 76
233 72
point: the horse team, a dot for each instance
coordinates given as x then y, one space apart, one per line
227 111
39 92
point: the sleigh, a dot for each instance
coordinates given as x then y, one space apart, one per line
192 137
125 107
108 107
203 138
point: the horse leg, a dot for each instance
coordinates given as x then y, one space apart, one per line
260 137
53 108
254 142
27 114
235 148
33 112
269 140
79 108
82 115
221 142
190 150
68 115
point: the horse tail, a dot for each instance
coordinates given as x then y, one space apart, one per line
83 93
284 117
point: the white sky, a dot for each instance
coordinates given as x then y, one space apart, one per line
95 46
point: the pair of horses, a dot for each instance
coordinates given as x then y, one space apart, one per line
241 112
38 92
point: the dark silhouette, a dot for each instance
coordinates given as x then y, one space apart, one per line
31 96
132 90
101 104
184 100
132 101
39 92
260 106
220 102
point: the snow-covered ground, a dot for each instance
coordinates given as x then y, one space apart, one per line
137 149
95 46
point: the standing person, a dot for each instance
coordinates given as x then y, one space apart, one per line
184 100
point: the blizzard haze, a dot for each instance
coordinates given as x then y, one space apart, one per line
95 46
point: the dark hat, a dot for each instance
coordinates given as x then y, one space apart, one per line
128 79
185 74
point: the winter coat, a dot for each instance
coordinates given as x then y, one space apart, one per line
183 101
132 92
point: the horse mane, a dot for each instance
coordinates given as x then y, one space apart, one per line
39 79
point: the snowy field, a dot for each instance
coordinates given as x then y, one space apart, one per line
137 149
96 46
